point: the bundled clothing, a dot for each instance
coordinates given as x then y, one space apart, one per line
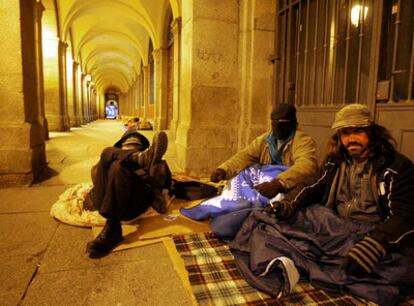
390 178
272 255
298 153
122 191
365 218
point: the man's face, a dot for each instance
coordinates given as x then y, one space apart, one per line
355 141
281 128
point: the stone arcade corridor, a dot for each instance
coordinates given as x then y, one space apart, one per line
208 72
43 262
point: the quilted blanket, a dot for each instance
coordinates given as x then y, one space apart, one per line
215 280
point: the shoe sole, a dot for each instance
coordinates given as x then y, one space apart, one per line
160 143
95 254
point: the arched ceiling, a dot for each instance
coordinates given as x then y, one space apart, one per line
110 38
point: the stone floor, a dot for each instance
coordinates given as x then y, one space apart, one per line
43 261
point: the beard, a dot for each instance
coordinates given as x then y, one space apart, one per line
356 149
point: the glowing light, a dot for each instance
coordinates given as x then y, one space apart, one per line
356 14
49 43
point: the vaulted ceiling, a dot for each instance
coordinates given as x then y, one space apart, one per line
110 38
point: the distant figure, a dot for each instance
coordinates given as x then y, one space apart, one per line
132 123
111 110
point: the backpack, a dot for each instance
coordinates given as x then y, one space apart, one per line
192 190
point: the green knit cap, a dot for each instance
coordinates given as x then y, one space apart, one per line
352 115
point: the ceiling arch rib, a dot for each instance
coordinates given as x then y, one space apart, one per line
129 32
120 10
107 36
110 38
116 60
117 63
99 43
123 69
112 78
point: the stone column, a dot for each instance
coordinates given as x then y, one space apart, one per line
84 107
176 29
92 94
63 97
52 85
88 99
209 102
257 30
139 86
77 120
145 75
160 62
22 145
39 9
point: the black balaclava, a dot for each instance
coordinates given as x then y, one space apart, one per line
282 130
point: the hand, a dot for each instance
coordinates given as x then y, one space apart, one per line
363 257
218 175
269 189
281 209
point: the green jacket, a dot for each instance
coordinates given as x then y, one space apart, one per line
299 154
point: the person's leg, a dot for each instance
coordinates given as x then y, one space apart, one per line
157 174
106 241
118 204
153 155
99 175
122 195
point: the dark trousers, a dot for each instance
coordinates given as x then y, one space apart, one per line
118 192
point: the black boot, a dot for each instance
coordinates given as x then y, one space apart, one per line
150 157
159 203
106 241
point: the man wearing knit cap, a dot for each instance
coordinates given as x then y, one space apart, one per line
285 145
128 178
366 180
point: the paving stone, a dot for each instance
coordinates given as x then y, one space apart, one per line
149 282
16 273
70 242
26 233
33 199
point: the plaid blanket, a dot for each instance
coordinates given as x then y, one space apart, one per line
215 280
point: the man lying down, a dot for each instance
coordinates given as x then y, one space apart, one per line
351 231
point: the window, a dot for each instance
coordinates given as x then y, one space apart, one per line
323 51
395 72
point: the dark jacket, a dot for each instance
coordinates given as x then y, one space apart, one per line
394 182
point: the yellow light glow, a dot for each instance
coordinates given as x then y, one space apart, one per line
356 14
49 43
69 66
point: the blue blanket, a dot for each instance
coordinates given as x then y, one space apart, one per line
316 241
228 210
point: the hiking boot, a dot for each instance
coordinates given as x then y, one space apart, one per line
160 202
153 155
106 241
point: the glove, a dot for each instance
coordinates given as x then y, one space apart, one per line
363 257
218 175
281 209
269 189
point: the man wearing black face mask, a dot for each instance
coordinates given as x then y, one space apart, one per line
284 145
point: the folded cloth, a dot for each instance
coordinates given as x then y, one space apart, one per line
238 194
